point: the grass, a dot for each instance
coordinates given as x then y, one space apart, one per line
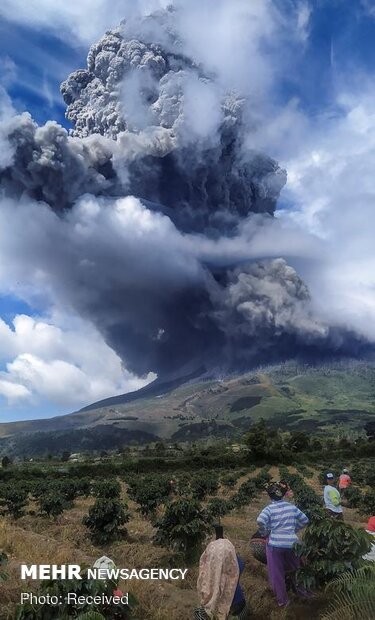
35 539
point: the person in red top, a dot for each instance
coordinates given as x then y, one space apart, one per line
344 481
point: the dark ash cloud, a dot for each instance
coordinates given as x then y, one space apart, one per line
126 207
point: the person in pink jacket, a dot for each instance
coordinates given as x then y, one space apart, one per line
344 482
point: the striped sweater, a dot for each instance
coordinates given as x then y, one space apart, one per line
281 520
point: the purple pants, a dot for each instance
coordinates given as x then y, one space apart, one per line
279 562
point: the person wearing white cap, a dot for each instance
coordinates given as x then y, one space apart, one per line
332 499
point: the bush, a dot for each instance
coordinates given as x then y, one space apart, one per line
363 472
250 488
245 493
203 485
262 478
5 461
305 471
218 507
352 496
298 442
304 496
229 480
14 499
265 444
63 489
182 483
110 489
83 487
105 520
149 492
183 528
38 489
367 504
330 548
52 504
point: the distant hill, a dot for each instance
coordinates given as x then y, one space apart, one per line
289 396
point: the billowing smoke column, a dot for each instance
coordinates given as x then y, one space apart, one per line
151 182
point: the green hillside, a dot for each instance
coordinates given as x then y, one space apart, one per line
320 399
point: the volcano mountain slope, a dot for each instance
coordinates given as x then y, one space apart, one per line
318 399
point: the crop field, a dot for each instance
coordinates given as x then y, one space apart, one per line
44 524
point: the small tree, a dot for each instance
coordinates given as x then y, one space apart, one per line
245 493
367 503
263 442
105 520
370 430
52 504
6 461
84 487
229 480
65 456
204 484
298 441
217 507
15 501
107 488
183 528
160 447
330 548
353 497
261 479
149 492
65 489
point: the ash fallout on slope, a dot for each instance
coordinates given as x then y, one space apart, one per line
124 207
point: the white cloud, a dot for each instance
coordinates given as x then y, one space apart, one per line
82 20
63 360
304 11
6 113
13 391
332 193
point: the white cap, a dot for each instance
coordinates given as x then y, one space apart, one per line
105 564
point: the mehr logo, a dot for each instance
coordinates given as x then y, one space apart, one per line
104 569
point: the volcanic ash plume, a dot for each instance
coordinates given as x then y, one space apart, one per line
124 205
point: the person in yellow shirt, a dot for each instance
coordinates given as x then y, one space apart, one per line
332 498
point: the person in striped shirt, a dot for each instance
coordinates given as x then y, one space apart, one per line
281 520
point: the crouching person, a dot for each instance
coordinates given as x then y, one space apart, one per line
220 594
281 520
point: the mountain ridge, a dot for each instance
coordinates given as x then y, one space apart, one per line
334 398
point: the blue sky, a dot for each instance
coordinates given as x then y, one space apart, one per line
327 73
40 62
339 39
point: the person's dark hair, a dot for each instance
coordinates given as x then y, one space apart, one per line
219 531
277 490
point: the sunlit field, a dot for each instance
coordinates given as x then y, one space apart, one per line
37 539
